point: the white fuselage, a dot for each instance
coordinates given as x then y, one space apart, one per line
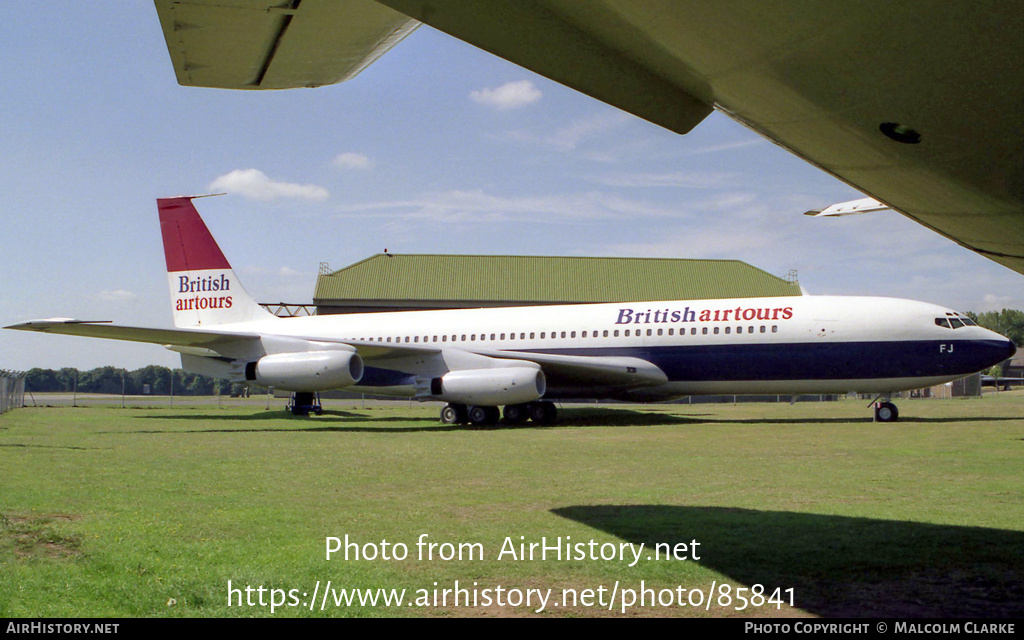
806 344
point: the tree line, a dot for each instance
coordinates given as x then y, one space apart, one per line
152 380
1009 322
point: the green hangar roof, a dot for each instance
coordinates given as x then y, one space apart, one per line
396 281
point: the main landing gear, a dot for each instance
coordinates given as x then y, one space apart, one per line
885 411
542 412
304 403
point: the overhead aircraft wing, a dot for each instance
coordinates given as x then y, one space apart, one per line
920 106
275 44
103 329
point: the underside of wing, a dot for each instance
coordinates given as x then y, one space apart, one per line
276 44
927 117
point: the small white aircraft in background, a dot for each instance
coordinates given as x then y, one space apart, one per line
521 358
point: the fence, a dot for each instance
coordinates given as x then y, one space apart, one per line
12 390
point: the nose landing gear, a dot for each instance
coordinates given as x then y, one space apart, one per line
885 411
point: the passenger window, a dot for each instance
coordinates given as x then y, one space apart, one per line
605 333
775 328
716 331
627 333
728 330
704 331
616 333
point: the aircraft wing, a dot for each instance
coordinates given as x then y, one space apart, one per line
589 371
560 370
104 329
920 106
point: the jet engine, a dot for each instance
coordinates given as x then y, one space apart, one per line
307 371
490 387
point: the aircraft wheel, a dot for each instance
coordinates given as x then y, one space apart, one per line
887 412
516 414
484 416
454 414
542 412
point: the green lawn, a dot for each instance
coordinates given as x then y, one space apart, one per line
107 511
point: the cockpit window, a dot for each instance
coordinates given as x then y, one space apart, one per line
956 323
969 322
942 322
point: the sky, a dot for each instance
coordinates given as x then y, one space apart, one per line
437 147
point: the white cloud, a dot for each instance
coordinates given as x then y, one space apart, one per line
255 185
479 206
511 95
692 179
578 133
352 160
118 295
995 300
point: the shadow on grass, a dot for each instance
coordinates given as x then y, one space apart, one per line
838 566
329 421
349 421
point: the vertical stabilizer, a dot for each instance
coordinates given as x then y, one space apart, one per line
204 289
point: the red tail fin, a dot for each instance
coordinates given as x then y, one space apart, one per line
188 244
204 289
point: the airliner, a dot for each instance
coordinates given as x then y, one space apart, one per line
524 358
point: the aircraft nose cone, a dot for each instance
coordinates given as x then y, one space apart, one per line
1008 350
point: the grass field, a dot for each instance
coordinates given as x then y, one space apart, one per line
140 511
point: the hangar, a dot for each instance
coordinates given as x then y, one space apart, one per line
407 282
